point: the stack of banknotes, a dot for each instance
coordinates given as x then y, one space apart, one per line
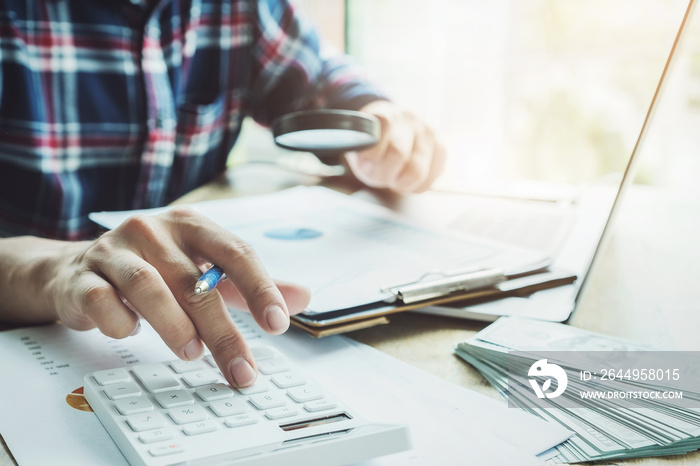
620 399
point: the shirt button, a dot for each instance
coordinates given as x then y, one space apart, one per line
160 122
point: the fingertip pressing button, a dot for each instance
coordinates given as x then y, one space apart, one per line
242 372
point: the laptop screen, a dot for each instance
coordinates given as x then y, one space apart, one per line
672 77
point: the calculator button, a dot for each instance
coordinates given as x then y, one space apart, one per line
193 413
167 449
319 405
240 420
152 436
273 366
279 413
268 400
288 379
181 366
174 398
178 412
134 405
199 428
305 393
122 390
209 360
111 376
260 385
230 407
217 391
261 353
148 421
199 378
156 377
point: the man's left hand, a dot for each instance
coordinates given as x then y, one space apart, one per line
408 157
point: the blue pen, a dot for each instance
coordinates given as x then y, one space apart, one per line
209 280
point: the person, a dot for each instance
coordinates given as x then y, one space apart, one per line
121 105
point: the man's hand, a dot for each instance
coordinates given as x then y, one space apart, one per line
148 267
408 157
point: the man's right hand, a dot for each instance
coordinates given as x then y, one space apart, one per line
148 266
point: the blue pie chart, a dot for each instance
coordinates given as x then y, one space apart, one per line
293 234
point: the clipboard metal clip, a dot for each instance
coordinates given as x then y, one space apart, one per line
427 288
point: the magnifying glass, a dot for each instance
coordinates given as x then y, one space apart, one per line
328 134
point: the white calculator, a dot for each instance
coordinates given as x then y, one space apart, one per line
184 413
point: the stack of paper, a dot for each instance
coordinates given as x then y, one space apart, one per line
647 402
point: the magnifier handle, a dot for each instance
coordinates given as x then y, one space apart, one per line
330 158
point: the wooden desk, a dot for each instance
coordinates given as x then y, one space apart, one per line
642 288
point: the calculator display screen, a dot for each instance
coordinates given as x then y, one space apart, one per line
315 422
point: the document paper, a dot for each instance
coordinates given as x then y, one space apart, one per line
44 420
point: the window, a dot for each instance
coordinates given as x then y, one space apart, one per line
552 90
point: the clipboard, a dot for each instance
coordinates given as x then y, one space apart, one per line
377 245
459 289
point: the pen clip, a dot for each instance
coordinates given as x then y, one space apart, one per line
424 289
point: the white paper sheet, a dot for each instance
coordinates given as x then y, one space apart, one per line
42 366
344 249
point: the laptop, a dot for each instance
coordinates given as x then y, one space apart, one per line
569 225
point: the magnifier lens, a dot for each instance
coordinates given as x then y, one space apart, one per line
326 139
326 133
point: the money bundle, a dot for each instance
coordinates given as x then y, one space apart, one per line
620 399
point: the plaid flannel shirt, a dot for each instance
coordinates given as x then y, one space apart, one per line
117 104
